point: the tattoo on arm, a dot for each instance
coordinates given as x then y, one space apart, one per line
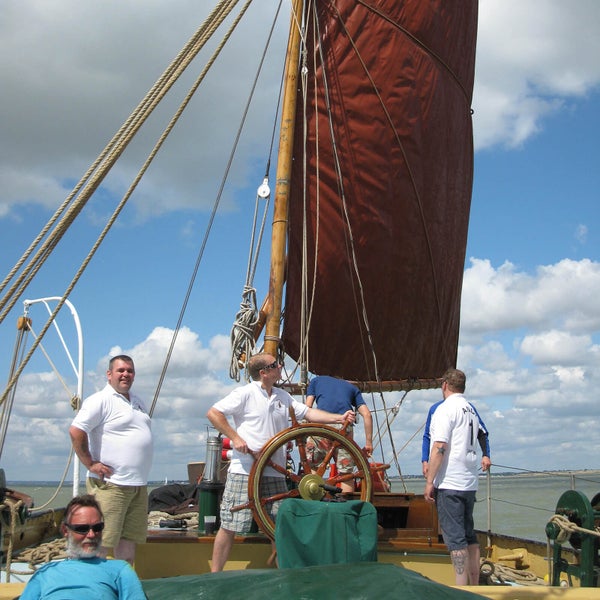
441 451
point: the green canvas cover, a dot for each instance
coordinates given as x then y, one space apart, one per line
325 533
367 581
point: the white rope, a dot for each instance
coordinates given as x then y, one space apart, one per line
567 528
497 574
156 516
242 332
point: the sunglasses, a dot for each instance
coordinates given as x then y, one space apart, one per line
273 365
84 529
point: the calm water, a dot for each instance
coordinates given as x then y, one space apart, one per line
521 505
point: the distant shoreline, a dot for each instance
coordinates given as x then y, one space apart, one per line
509 474
581 473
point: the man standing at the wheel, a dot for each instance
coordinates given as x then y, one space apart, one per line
259 411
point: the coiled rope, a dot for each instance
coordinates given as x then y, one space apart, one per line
39 554
43 553
13 506
156 516
567 528
497 574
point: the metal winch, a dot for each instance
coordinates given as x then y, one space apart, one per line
576 521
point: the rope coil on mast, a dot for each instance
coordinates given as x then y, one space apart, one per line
242 331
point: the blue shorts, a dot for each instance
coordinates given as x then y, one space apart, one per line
455 514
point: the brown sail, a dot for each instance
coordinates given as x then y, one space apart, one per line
381 188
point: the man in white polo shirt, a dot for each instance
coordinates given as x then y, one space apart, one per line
259 411
112 436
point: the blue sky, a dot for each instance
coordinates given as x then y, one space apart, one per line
530 314
547 185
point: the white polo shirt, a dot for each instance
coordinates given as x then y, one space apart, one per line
257 417
119 435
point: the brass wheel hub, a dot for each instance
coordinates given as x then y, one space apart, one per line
311 487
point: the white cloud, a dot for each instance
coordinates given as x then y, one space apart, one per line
83 66
531 58
559 348
529 341
533 384
562 295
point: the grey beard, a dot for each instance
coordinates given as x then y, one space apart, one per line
75 550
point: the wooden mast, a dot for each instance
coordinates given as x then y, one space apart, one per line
282 186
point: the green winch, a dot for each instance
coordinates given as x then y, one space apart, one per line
576 521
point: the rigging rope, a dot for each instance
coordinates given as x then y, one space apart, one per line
243 330
156 516
108 158
51 363
14 507
214 210
305 304
420 43
17 357
43 553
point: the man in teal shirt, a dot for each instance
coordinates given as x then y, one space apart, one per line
84 574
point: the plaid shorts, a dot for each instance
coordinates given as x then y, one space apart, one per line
236 493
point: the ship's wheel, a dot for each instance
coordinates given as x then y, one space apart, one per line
309 483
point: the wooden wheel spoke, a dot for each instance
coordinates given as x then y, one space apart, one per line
301 445
277 468
306 486
290 494
343 477
323 466
378 468
248 504
294 477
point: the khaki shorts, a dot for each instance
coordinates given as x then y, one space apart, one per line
125 509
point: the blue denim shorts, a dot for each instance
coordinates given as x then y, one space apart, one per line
455 514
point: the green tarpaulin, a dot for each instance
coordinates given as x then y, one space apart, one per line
325 533
364 581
